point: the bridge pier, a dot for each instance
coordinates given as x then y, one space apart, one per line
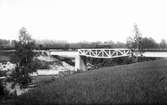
80 63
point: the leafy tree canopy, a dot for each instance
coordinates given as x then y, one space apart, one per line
24 59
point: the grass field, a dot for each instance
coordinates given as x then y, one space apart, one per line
138 83
5 55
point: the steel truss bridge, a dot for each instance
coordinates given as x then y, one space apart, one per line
81 54
105 53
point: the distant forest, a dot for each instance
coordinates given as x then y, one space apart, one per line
147 43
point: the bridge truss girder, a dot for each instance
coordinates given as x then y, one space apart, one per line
105 53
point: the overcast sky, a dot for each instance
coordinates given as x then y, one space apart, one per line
83 20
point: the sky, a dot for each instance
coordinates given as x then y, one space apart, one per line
83 20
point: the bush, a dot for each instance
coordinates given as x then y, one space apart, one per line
65 73
42 64
1 89
2 92
110 62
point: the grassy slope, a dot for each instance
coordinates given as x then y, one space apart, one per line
5 56
144 82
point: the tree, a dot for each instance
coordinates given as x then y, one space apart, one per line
4 43
163 44
137 38
135 42
24 59
149 43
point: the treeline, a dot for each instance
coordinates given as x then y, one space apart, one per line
7 44
146 43
50 44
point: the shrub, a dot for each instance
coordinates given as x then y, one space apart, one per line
42 64
1 89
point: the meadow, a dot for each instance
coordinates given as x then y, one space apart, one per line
6 55
137 83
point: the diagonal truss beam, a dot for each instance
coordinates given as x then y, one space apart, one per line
105 53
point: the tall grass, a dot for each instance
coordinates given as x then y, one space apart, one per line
138 83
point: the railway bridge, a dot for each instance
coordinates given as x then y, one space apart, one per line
80 59
81 54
